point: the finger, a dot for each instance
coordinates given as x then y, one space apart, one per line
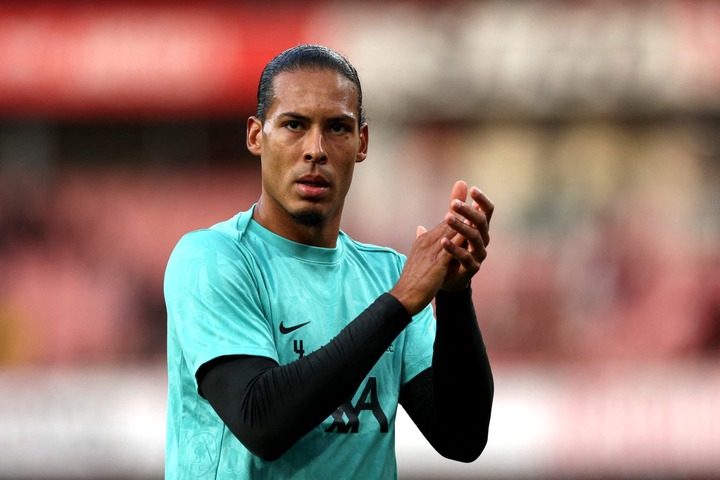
436 234
420 230
476 236
470 261
475 220
459 191
483 202
459 240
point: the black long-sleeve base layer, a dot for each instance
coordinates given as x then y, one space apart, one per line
270 407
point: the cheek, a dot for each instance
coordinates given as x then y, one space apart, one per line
347 175
272 171
274 162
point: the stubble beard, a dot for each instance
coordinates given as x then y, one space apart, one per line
308 218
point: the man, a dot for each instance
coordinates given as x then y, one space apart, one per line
290 345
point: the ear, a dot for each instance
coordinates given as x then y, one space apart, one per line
362 152
254 136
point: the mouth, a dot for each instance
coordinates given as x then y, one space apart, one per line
314 180
312 186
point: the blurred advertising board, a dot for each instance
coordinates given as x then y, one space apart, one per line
131 58
69 59
648 420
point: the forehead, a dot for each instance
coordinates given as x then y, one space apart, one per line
316 92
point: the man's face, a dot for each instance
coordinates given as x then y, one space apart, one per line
308 144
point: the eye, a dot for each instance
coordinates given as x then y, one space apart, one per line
339 128
293 125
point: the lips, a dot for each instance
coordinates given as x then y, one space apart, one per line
314 180
312 186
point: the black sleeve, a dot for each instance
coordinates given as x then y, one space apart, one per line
270 407
451 402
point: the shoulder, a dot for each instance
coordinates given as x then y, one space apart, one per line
368 248
373 252
220 235
220 241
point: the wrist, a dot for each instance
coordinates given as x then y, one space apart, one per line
456 294
406 301
455 288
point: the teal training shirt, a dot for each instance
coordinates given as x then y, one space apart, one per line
239 289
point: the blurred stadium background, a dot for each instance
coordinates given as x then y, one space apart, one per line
593 125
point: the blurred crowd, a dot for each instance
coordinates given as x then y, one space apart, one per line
82 256
605 243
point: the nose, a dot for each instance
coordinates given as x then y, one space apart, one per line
314 147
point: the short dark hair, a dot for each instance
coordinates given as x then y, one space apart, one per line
305 57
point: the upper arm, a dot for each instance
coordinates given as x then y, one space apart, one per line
229 377
213 301
418 339
226 383
231 371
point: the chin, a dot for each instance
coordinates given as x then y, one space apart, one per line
308 218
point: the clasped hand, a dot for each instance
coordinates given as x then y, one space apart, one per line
447 256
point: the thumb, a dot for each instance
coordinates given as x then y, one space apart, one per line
459 191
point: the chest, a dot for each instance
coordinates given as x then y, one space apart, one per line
307 304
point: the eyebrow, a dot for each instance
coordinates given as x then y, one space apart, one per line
334 118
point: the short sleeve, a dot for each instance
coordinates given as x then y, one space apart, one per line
213 298
418 338
418 346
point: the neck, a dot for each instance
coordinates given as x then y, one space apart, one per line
306 229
